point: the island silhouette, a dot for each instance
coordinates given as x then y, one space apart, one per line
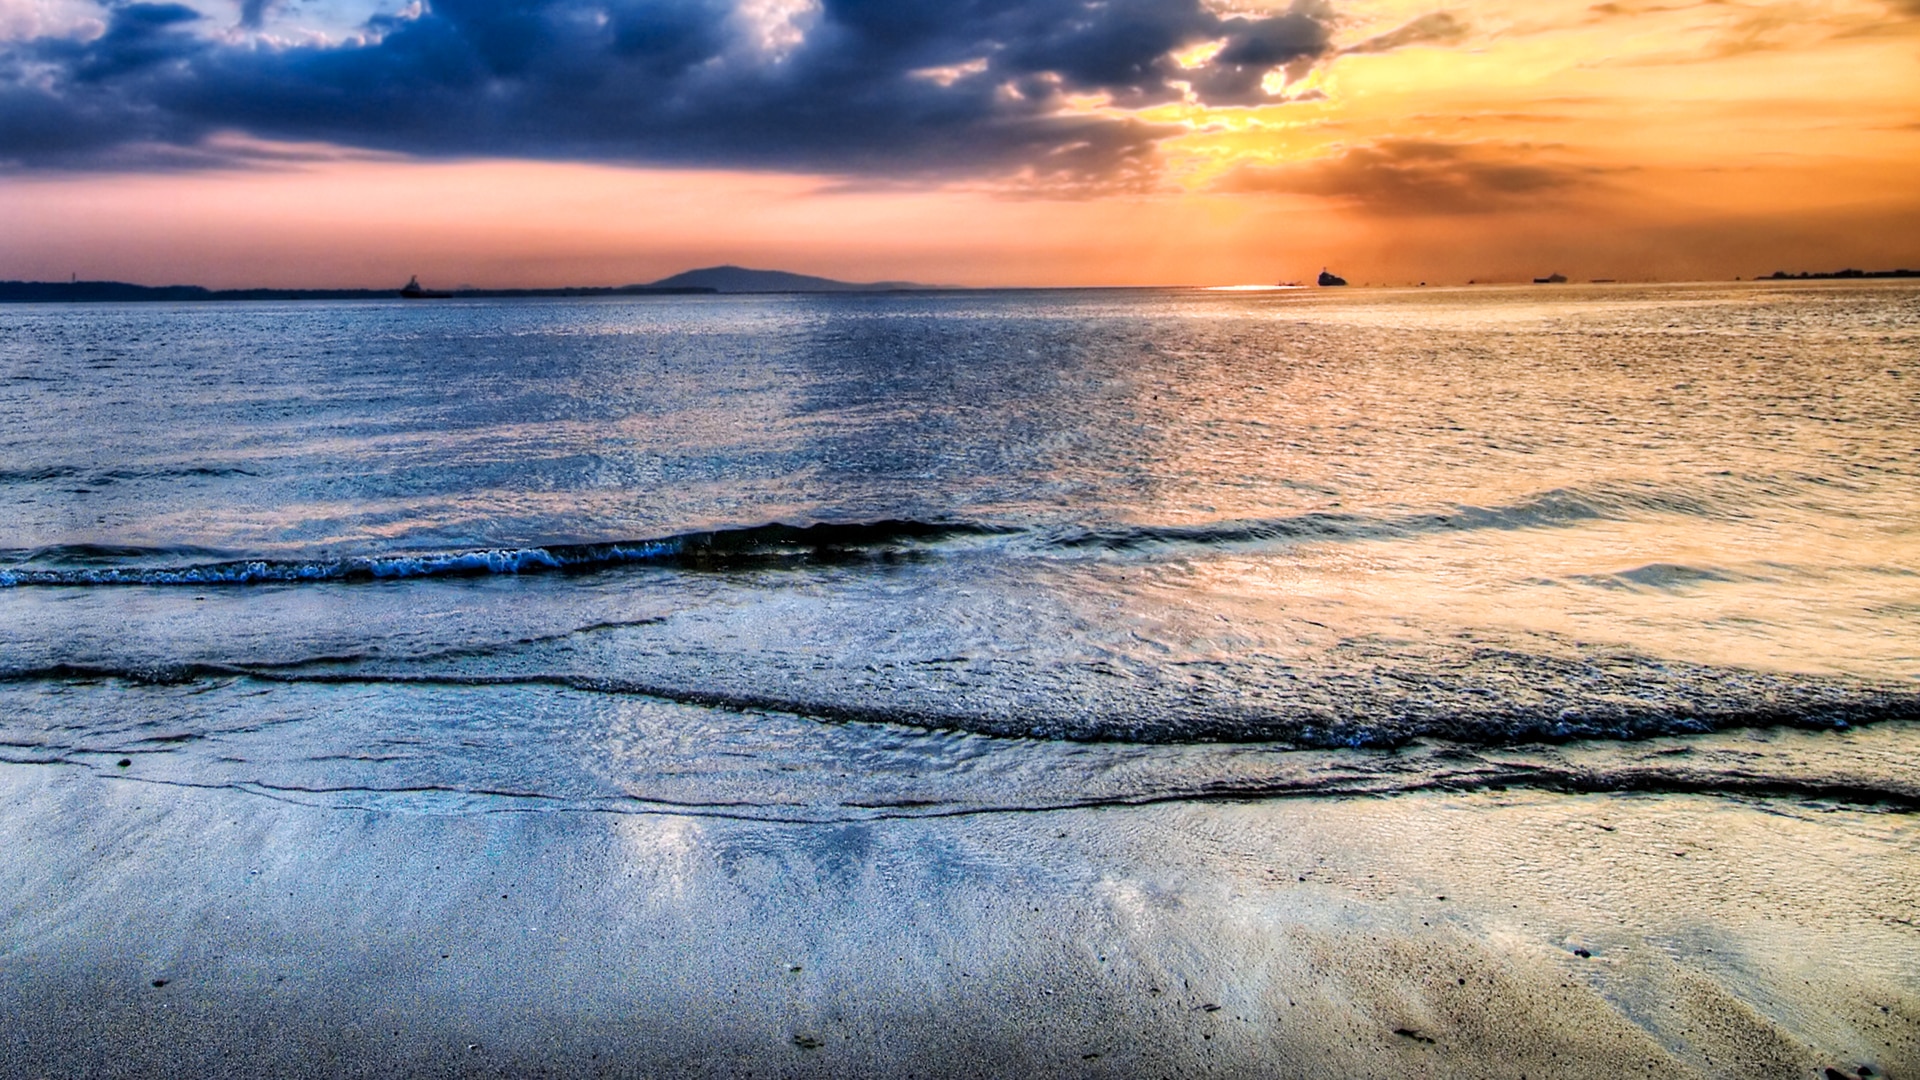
740 279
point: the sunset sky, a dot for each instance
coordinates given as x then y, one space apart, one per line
978 142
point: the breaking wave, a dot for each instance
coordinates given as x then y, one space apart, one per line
777 544
72 565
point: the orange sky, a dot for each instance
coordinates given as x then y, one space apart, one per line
1631 140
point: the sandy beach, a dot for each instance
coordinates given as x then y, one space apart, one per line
153 929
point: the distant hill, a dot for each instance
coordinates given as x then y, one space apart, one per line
739 279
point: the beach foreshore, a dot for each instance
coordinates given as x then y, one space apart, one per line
154 929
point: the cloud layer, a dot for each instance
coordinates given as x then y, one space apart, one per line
1424 177
1434 28
850 87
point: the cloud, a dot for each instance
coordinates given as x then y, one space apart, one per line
1422 177
1735 30
138 37
1631 10
253 13
1438 28
33 18
833 86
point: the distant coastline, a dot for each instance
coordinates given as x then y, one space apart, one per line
57 292
1835 275
707 281
716 280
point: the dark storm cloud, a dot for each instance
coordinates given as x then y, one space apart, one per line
1417 176
875 87
139 37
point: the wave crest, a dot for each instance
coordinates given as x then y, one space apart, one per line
82 565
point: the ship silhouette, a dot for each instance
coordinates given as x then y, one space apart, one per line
413 291
1328 280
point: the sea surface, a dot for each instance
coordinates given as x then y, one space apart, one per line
836 558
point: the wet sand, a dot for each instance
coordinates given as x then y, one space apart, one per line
153 929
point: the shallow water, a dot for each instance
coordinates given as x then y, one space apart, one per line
816 558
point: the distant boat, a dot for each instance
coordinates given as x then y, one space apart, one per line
1328 280
413 291
1551 279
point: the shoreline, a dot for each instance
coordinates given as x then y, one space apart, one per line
158 928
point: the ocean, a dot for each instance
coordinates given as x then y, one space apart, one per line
843 558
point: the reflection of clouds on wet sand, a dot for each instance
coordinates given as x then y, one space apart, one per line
1427 934
665 852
